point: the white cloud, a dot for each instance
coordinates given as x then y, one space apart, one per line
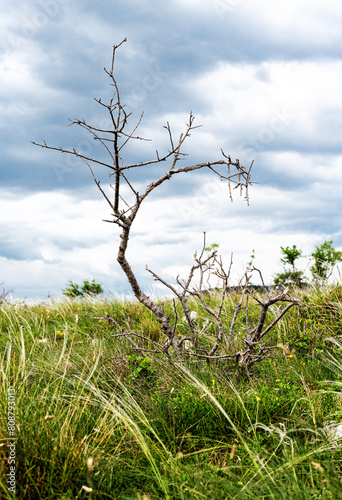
282 108
286 103
74 243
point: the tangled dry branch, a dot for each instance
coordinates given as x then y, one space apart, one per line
124 211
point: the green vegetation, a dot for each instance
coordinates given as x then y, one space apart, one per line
324 257
290 276
96 419
88 288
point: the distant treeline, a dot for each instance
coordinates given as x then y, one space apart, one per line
239 288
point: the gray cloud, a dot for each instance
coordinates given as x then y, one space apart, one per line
260 77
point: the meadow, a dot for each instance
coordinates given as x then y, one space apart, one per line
93 418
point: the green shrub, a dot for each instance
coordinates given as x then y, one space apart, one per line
325 258
88 288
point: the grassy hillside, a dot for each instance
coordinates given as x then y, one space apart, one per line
95 420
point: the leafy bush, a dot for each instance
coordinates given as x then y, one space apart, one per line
88 288
325 258
292 276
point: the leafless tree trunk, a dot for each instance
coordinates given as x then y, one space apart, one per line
123 214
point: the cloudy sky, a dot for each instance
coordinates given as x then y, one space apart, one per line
262 77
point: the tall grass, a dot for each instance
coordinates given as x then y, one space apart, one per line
90 425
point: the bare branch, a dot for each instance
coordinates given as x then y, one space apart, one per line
98 185
213 338
73 152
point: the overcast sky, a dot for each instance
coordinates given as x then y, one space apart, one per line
262 77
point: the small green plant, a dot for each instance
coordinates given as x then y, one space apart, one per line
252 257
211 248
290 255
88 288
139 366
325 258
292 276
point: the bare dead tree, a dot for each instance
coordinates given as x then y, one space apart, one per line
124 212
216 335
